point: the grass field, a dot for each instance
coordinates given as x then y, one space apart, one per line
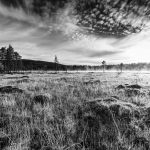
75 111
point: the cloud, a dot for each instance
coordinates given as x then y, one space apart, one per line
18 14
43 38
99 54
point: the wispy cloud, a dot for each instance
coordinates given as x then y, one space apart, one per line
42 38
18 14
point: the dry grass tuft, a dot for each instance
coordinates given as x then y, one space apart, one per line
85 111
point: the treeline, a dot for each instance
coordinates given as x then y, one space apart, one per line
10 60
118 67
42 65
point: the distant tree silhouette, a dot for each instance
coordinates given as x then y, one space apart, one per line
56 63
10 58
3 57
104 65
121 67
17 62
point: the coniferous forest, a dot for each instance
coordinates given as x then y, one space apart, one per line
10 60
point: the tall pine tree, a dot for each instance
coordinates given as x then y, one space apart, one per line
10 58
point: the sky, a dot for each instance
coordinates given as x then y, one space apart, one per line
41 38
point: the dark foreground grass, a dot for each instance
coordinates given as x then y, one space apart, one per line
81 111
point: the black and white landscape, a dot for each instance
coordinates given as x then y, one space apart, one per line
74 75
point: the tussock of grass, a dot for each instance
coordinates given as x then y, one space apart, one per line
74 112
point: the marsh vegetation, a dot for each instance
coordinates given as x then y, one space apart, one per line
75 111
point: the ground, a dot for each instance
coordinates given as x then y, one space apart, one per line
75 111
